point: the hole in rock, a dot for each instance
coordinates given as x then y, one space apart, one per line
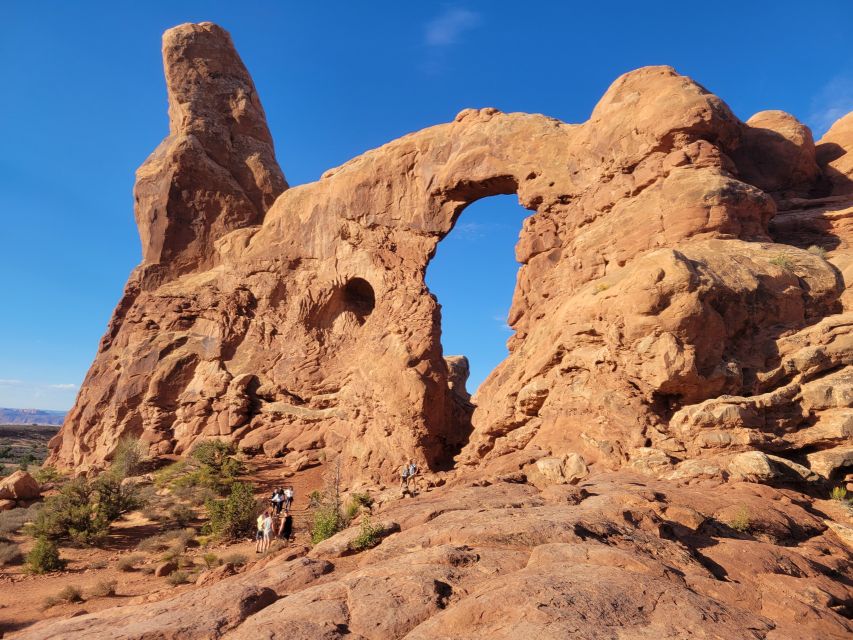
359 297
473 276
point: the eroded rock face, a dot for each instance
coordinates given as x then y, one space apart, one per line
656 320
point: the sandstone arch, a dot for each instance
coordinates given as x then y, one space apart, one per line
647 240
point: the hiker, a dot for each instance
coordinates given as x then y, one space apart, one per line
285 530
267 529
259 533
288 499
277 500
413 471
404 479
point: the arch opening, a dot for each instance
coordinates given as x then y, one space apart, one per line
473 275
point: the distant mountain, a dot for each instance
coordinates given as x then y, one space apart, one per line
31 416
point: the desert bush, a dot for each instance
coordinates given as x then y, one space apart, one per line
47 474
784 262
98 564
237 559
127 458
368 535
740 522
13 520
233 517
128 563
315 499
327 521
10 553
178 577
211 560
70 593
601 286
175 550
181 515
356 502
104 589
44 557
818 251
839 493
83 510
163 541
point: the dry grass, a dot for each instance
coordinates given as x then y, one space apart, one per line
104 589
128 563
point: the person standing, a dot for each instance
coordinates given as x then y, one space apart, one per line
288 499
412 471
267 530
404 479
259 533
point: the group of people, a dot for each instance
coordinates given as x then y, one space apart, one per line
407 477
272 522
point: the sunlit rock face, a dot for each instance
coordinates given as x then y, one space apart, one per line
667 306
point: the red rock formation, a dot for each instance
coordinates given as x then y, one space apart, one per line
656 320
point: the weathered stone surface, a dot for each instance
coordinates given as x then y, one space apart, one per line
19 486
296 322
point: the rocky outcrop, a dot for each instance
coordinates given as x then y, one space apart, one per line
19 486
669 307
619 555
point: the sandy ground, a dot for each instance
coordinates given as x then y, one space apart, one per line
22 596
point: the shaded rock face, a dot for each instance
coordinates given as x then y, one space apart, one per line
658 317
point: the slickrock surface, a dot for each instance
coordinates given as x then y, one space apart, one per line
617 556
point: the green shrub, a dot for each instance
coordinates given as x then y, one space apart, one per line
818 251
178 577
127 458
784 262
217 467
233 517
237 559
839 493
10 553
356 502
44 557
740 522
211 560
104 589
128 563
47 474
83 510
327 521
368 535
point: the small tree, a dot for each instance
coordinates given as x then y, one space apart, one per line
233 517
44 557
328 518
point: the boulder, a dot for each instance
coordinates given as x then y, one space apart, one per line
20 486
165 569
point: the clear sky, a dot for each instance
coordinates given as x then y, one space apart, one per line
83 103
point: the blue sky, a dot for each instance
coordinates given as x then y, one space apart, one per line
83 103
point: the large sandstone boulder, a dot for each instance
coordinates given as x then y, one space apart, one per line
19 486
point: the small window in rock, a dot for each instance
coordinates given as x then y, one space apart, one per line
359 297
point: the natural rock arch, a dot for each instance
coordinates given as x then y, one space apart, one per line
648 238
